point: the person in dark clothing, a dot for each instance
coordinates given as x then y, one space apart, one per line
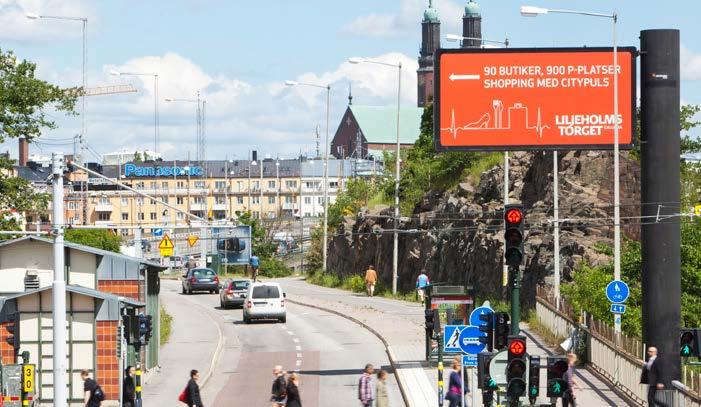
293 399
569 398
129 388
279 390
653 376
455 385
193 390
90 387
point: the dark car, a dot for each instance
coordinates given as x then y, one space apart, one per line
200 279
233 292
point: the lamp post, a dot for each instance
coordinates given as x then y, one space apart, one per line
199 119
395 252
261 190
326 165
84 21
155 102
530 11
277 177
250 198
505 43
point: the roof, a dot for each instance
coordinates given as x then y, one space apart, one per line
84 248
379 123
82 291
36 173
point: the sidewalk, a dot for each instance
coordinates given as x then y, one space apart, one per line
400 326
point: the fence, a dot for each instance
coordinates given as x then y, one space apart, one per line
618 358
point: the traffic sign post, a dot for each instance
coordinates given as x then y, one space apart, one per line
158 232
469 340
475 315
618 308
617 291
166 246
192 240
451 338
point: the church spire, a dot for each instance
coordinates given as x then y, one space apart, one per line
430 42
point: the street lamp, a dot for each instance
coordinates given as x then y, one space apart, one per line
395 252
84 21
326 165
250 204
454 37
155 101
277 176
530 11
199 121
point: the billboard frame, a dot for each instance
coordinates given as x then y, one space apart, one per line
561 147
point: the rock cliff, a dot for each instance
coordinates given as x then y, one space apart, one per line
457 235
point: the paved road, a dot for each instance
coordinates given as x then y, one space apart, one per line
327 350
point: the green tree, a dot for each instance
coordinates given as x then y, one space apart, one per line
97 238
137 157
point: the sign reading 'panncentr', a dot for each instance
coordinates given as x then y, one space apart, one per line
533 99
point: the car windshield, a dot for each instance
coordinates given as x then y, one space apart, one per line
239 285
203 273
266 291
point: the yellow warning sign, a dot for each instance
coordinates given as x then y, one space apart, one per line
166 243
192 239
697 209
166 252
28 378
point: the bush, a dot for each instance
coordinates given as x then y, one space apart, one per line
274 268
355 283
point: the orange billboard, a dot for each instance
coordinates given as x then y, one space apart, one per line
532 99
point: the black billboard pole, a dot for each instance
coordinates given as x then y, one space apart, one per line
660 193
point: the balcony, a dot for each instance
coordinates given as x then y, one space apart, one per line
198 207
103 207
289 206
219 207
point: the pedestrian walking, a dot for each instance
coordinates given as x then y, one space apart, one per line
370 280
653 376
293 399
191 263
92 392
455 384
381 395
421 283
129 387
366 391
279 390
191 394
569 398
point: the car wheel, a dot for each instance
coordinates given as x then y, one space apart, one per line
283 319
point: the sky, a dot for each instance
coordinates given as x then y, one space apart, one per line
238 55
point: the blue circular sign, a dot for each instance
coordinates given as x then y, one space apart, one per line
617 291
469 340
475 315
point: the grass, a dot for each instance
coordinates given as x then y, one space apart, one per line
166 326
356 284
487 161
379 199
542 331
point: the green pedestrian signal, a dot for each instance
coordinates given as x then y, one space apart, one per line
557 388
491 384
689 342
686 350
534 391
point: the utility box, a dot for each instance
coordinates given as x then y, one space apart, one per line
12 385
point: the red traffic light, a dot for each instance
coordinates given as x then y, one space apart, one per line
513 216
517 347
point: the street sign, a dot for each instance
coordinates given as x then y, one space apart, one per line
521 99
497 368
469 340
475 315
469 360
192 239
451 338
28 378
618 308
617 291
158 232
166 246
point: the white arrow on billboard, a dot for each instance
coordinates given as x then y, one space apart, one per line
456 77
453 341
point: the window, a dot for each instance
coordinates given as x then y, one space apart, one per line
179 215
124 232
307 200
153 215
333 184
179 200
153 184
256 185
200 184
152 202
220 200
140 216
265 291
271 200
239 200
291 184
271 215
139 185
139 201
103 216
256 200
125 216
165 199
180 185
125 201
255 215
271 184
219 184
239 186
321 200
199 199
289 199
72 205
103 201
310 184
164 185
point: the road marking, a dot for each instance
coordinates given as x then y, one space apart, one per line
298 347
299 355
296 340
299 363
290 332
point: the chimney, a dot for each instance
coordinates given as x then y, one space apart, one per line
23 151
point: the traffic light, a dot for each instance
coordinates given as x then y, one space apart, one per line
145 328
12 328
126 324
516 367
533 378
690 342
149 327
488 328
501 330
557 382
484 377
513 235
431 318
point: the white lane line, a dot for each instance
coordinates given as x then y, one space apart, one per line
290 332
296 340
299 355
299 363
298 347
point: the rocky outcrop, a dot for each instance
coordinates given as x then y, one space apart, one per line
456 235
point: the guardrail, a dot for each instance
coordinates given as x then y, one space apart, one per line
617 358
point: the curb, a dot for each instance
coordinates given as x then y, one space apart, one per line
390 354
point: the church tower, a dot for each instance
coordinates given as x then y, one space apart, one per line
472 25
430 42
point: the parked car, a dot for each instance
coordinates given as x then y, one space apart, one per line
233 292
200 279
264 301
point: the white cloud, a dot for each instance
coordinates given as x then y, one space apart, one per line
270 117
406 20
18 28
690 64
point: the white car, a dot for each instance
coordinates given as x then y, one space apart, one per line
264 301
